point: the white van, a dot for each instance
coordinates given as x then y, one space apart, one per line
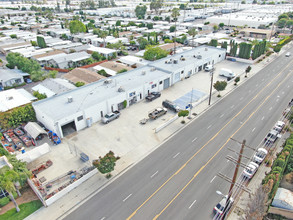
288 54
209 68
227 73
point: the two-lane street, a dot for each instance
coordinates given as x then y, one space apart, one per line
179 179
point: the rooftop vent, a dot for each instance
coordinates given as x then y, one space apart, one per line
175 61
107 81
153 69
199 56
143 72
69 99
121 89
9 97
206 49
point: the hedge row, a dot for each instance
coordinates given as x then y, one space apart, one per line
272 180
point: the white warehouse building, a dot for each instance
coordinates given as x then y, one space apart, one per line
79 108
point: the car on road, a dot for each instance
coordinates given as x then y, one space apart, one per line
219 208
110 117
250 170
288 54
157 113
171 105
260 155
153 95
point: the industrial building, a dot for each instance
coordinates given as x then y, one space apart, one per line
79 108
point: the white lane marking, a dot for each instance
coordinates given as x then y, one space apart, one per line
241 122
221 115
194 139
270 108
241 98
256 85
227 161
192 204
253 130
213 179
209 126
127 197
232 106
288 86
176 154
263 117
154 174
277 100
283 93
103 218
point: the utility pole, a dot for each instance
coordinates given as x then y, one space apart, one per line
211 88
190 108
227 206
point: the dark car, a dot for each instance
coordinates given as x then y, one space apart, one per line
170 105
152 96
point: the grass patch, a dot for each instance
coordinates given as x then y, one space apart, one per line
25 210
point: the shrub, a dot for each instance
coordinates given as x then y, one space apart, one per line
277 169
4 201
279 162
39 96
79 84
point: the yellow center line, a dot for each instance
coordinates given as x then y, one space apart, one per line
195 175
174 174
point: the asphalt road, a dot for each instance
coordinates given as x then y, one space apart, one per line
178 180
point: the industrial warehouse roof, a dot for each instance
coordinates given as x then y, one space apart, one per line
97 92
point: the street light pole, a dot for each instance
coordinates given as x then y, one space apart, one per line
211 88
189 117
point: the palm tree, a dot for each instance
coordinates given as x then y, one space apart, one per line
7 183
192 32
175 14
103 35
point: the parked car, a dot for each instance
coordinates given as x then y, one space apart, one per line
209 68
250 170
271 137
219 208
279 126
288 54
28 81
157 113
260 155
153 95
170 105
110 117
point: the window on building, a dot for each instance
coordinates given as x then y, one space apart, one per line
220 55
154 86
131 94
161 82
79 118
182 71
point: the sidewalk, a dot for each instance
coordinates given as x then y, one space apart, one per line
76 197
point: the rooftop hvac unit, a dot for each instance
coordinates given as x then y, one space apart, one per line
121 89
153 69
107 81
143 72
199 56
206 49
175 61
69 99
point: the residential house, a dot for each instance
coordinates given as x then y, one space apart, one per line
65 61
82 75
11 77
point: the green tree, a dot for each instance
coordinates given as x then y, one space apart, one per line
247 70
192 32
172 28
103 35
236 80
122 70
183 113
175 14
282 23
41 42
13 36
220 86
142 43
39 95
118 23
289 24
34 43
221 25
7 182
215 27
107 163
76 26
150 25
53 74
140 10
154 53
79 84
282 16
96 56
224 45
214 43
156 5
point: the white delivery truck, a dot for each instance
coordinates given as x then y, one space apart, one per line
209 68
227 73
